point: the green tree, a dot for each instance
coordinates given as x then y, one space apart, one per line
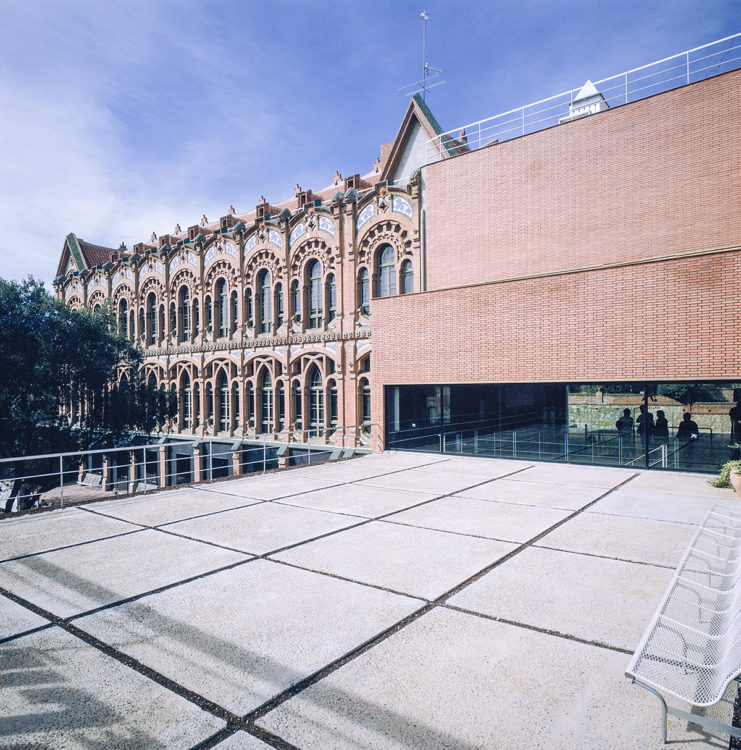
52 357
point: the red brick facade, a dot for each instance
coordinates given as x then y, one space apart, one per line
547 239
655 177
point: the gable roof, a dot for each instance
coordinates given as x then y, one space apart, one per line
418 113
85 254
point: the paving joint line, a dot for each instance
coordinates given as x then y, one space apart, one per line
606 557
191 696
537 629
24 633
72 546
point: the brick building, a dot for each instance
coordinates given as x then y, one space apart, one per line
598 251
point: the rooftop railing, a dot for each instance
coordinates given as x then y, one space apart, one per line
672 72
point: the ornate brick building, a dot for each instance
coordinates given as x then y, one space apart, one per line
261 321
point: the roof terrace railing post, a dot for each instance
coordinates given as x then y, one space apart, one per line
687 64
61 481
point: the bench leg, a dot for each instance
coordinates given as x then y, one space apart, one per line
663 705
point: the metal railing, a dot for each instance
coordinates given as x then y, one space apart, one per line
54 479
672 72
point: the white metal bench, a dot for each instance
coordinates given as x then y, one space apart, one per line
692 648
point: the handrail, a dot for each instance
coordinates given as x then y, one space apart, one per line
450 140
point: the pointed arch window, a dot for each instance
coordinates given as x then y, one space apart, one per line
151 333
332 402
280 405
407 277
331 297
161 328
365 401
266 402
296 300
222 308
208 313
264 301
123 317
173 319
235 410
233 312
279 307
314 281
364 291
248 308
386 271
186 396
222 390
298 415
184 309
316 401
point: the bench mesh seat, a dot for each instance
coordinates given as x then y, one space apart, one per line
692 647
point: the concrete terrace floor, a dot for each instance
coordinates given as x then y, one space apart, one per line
392 601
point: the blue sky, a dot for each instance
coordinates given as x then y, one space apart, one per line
120 119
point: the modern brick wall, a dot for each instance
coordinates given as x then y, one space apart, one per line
658 176
663 320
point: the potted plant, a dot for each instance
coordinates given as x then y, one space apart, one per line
729 476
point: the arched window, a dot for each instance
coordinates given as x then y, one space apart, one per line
280 405
266 402
222 391
298 414
235 410
208 313
296 300
186 402
407 277
96 307
386 271
131 324
249 407
248 308
279 309
196 317
141 332
364 291
331 297
173 319
161 329
123 317
222 307
233 312
365 401
316 401
152 381
332 402
196 403
264 293
151 334
209 404
184 306
314 281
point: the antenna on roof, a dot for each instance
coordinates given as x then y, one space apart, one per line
428 72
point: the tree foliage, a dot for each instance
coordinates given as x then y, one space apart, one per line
53 357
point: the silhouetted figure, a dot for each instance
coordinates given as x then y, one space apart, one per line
735 415
625 424
645 421
688 430
661 428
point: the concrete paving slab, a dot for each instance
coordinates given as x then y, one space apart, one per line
15 619
605 601
442 480
483 466
450 680
504 521
261 528
28 535
659 506
635 539
167 507
681 482
75 580
418 562
272 486
59 692
537 494
361 500
241 741
586 476
244 635
370 465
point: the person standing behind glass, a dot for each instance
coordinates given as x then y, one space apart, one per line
645 421
661 428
